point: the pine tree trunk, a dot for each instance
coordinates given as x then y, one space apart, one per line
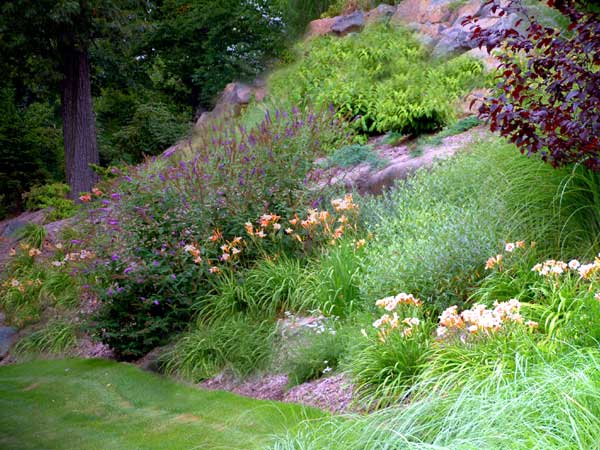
81 148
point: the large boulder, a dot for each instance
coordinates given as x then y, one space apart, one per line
232 100
337 26
350 23
426 11
436 21
457 38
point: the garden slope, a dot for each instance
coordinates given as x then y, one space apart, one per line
97 404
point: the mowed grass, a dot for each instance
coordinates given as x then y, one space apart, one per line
98 404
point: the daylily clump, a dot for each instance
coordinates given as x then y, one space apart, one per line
553 267
387 323
317 226
481 319
510 247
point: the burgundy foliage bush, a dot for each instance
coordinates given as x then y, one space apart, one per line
547 99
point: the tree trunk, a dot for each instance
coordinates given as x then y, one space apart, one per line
79 128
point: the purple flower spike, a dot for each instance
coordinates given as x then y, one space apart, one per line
156 302
128 270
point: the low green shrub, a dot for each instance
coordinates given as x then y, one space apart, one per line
463 359
392 353
353 155
237 343
265 290
51 196
382 79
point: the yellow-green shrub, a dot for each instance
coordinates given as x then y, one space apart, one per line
383 79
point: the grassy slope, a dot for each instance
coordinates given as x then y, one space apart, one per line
96 404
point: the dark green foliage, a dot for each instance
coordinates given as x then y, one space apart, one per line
206 44
151 129
297 14
138 319
30 148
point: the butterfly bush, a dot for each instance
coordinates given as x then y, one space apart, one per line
166 227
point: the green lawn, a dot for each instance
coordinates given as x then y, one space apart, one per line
97 404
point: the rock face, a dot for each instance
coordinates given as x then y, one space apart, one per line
233 99
320 27
337 26
381 13
7 338
401 162
438 23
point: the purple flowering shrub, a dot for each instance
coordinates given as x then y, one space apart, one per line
160 234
